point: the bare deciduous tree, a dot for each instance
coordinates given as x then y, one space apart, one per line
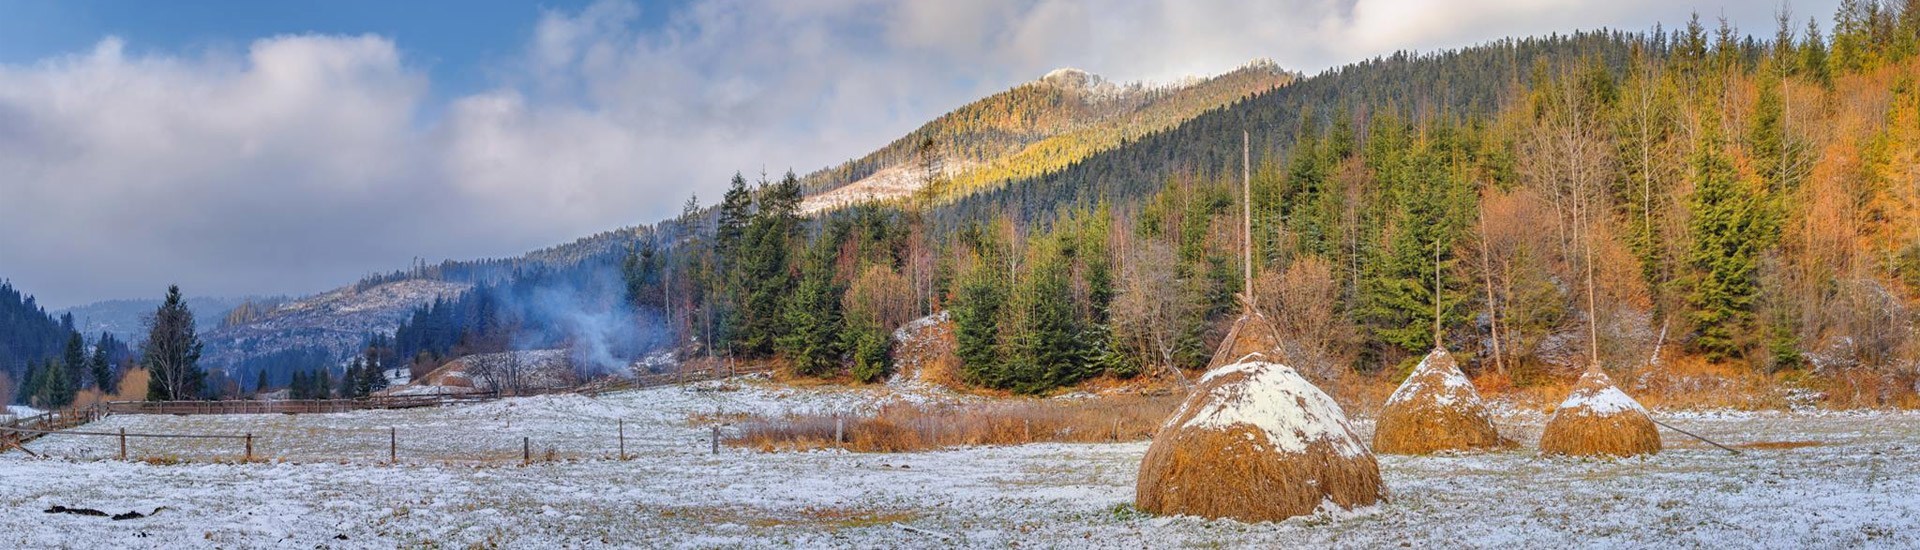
1153 303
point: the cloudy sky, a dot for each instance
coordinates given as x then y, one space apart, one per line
267 148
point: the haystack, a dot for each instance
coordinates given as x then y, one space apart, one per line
1252 333
1256 442
1435 410
1599 419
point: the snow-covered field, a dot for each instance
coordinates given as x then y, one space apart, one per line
461 485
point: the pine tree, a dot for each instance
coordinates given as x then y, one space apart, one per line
1046 350
1731 229
976 311
812 317
353 383
172 352
260 385
323 385
75 361
1398 295
1813 55
55 389
101 365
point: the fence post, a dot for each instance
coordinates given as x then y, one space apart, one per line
716 439
249 447
839 431
526 451
123 444
623 439
393 446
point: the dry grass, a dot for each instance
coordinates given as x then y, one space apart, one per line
1436 417
133 387
906 428
1236 472
1869 389
1682 383
1584 431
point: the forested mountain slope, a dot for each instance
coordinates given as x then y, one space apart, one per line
1035 128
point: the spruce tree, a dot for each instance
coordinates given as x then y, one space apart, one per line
260 384
75 361
101 365
976 312
172 352
1046 352
812 341
323 384
352 383
1731 229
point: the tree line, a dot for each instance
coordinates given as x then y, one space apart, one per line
1698 193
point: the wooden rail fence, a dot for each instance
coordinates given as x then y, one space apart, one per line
16 433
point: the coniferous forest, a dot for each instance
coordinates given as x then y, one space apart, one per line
1745 204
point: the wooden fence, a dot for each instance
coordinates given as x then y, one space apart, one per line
20 431
293 406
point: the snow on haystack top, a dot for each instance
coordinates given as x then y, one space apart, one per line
1599 396
1454 385
1277 400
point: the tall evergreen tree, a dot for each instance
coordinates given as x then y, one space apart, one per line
1731 229
100 366
172 352
976 311
75 361
813 339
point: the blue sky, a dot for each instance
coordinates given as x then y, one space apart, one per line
268 147
453 40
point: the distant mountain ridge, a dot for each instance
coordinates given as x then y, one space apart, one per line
1032 129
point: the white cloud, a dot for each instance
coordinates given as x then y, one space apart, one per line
306 161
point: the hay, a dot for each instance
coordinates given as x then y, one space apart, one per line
1435 410
1252 333
1597 419
1256 442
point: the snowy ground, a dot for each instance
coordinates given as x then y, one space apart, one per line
1856 488
19 411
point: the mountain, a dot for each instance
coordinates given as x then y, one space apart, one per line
1033 129
338 321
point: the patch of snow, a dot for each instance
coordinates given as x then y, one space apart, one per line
1277 400
1454 385
1602 401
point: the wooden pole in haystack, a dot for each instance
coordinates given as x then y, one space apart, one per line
1246 217
1268 459
1436 408
1597 418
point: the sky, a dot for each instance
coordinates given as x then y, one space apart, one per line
252 148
